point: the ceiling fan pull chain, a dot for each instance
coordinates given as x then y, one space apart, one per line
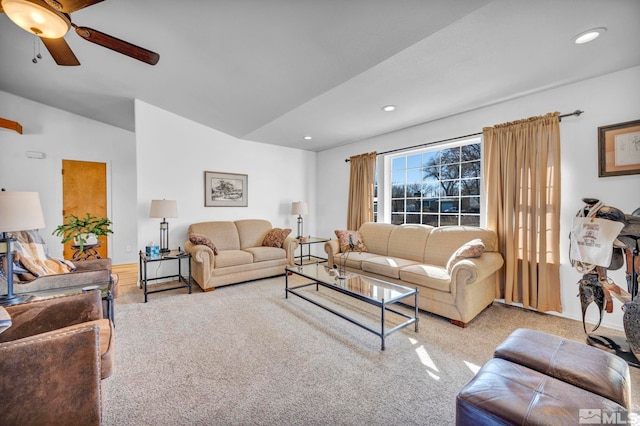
38 55
34 60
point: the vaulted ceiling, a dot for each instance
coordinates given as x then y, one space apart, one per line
275 71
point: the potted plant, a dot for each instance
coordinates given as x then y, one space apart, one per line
83 231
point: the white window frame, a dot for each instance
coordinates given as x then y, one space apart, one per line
384 176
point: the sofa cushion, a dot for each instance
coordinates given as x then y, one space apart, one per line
445 240
224 233
106 340
376 236
408 241
252 232
276 237
473 248
354 260
261 254
227 258
356 238
430 276
199 239
386 266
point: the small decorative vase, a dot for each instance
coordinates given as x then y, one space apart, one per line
342 271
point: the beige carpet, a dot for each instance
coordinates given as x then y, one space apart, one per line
245 355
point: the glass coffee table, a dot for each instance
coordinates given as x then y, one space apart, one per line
381 294
105 287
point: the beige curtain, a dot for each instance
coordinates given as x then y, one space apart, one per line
522 188
361 181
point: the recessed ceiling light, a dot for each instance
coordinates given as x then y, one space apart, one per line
389 108
589 35
307 138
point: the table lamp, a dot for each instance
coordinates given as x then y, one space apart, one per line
164 209
19 211
299 208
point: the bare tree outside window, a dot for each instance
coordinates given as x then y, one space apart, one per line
437 186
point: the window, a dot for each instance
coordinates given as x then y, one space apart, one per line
437 186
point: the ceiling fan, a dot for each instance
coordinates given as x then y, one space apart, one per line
50 20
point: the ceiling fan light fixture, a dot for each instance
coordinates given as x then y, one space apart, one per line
36 19
388 108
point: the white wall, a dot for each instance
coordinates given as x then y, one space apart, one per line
168 154
62 135
606 100
165 158
174 153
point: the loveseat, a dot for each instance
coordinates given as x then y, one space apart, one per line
225 252
455 279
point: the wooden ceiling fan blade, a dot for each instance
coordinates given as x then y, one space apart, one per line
69 6
60 51
120 46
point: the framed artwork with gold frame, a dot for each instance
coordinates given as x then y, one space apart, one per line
619 149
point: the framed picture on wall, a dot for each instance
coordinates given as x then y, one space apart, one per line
619 149
225 190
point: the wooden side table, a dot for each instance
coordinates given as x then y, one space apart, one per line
88 252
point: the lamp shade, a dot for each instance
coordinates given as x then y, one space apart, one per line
163 208
36 18
20 211
299 208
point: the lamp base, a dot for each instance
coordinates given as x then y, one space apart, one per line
5 300
165 250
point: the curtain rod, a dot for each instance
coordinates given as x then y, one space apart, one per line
576 112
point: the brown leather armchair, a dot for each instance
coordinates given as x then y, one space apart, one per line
52 358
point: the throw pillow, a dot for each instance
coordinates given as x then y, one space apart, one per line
356 238
276 237
199 239
5 319
473 248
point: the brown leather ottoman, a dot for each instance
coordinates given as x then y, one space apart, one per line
538 378
581 365
504 393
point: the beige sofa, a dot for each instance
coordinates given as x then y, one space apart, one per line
241 254
417 256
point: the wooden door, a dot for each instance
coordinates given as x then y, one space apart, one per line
84 190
